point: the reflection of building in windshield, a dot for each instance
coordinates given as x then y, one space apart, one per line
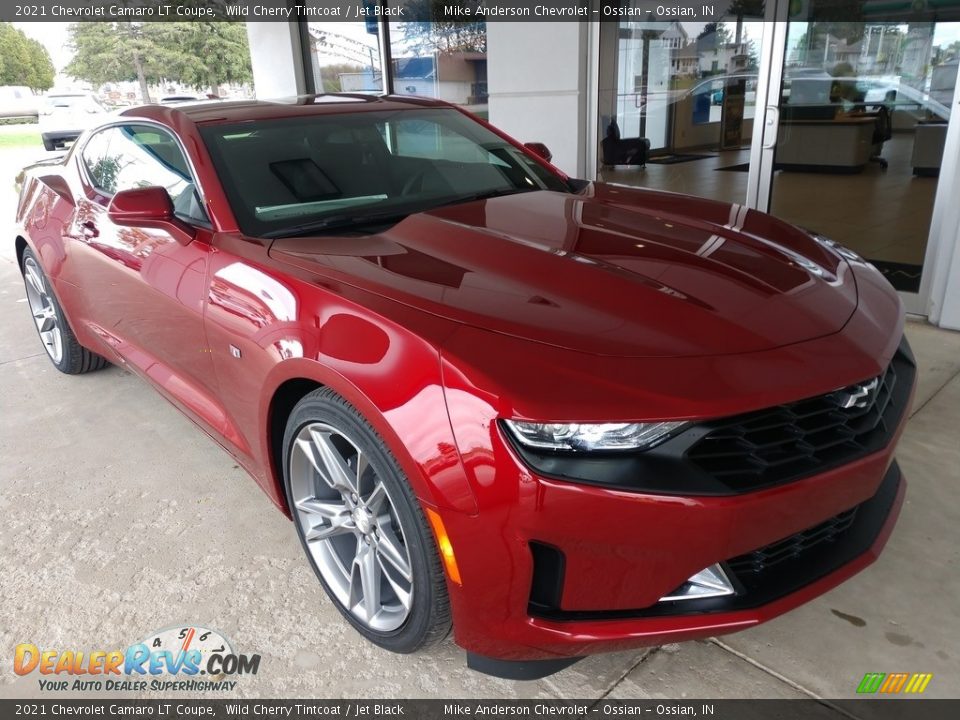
428 60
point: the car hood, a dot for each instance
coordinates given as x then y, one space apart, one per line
609 271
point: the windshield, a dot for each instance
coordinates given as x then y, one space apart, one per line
291 176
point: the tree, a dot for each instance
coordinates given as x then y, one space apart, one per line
196 54
42 72
716 37
13 52
114 52
205 54
753 56
23 61
941 54
443 36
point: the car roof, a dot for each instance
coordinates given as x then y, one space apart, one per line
228 111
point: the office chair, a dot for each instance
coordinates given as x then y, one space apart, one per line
623 151
883 131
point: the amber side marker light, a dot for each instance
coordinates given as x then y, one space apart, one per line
446 548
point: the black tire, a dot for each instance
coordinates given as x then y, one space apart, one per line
429 620
75 359
49 145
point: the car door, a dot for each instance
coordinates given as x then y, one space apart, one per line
144 288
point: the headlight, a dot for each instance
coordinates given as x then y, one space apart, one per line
591 436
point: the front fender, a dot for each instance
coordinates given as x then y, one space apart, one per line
410 417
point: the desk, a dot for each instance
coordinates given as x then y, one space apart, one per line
840 145
928 142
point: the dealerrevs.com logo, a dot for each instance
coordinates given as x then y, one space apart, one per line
189 658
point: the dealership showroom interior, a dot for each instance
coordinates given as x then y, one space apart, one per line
607 357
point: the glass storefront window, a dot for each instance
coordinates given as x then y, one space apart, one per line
864 108
861 105
345 57
447 61
443 60
679 98
910 68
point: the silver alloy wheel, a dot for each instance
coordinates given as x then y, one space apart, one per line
43 311
350 527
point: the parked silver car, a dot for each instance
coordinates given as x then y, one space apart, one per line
18 101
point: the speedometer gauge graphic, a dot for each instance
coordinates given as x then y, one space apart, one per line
184 638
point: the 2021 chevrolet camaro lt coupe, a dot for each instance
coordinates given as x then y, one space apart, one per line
560 417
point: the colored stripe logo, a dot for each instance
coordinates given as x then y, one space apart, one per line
893 683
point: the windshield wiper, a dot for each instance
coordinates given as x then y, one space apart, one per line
355 220
336 222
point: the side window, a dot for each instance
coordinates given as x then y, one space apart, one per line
138 156
97 161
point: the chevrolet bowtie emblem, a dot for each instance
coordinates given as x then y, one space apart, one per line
857 396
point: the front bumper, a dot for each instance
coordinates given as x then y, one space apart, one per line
633 551
565 569
793 583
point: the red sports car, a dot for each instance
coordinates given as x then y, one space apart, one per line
561 417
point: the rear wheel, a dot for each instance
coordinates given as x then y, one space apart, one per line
361 526
66 354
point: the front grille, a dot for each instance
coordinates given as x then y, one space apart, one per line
793 547
747 452
798 439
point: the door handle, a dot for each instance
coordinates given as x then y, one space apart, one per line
771 127
90 230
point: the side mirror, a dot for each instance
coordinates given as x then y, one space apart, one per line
148 207
540 150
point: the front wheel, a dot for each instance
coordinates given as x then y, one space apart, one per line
62 347
361 526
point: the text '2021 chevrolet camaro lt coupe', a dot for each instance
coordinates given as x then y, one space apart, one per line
560 417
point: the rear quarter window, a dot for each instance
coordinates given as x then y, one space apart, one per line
101 167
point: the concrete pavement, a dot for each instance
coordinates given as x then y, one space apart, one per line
121 518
